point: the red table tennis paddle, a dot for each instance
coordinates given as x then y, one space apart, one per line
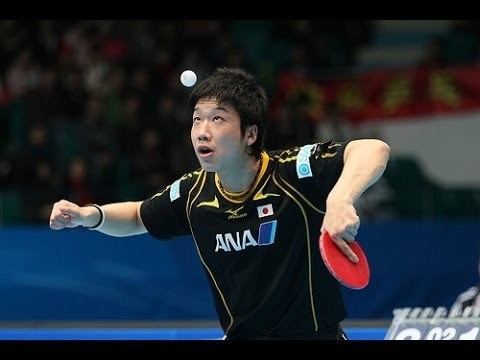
352 275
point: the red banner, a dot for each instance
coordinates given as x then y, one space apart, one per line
384 94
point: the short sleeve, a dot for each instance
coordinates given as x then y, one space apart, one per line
164 214
315 171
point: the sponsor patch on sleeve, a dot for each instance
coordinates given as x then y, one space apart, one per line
175 190
303 161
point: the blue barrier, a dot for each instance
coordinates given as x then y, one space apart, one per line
150 334
81 275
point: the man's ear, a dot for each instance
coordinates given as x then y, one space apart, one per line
251 134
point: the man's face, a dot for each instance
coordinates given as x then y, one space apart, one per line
216 135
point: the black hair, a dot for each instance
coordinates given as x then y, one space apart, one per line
239 89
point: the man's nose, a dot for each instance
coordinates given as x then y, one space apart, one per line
203 131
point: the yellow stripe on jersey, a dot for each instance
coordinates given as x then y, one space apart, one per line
239 198
260 195
310 286
184 177
302 196
189 209
213 203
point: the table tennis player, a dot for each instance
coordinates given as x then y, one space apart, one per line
255 216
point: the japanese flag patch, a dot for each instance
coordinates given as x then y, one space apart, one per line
265 210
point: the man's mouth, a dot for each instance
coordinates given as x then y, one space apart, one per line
204 151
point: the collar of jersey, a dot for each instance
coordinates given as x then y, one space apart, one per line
241 197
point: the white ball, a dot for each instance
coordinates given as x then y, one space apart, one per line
188 78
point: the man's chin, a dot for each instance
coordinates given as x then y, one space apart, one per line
208 167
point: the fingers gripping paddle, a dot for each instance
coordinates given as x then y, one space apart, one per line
352 275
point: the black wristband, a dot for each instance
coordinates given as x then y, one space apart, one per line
100 221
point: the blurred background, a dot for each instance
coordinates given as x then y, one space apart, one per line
93 111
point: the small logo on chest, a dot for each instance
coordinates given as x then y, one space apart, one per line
234 213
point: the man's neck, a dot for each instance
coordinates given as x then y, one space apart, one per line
241 178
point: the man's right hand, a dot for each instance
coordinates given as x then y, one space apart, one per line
66 214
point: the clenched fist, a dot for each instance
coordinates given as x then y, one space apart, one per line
66 214
342 222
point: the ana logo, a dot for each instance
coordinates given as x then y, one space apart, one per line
234 213
241 239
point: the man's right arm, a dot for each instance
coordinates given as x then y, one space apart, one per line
120 219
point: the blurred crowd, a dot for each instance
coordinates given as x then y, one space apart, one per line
93 111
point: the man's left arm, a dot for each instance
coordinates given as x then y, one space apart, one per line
364 163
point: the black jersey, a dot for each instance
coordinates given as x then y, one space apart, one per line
260 249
